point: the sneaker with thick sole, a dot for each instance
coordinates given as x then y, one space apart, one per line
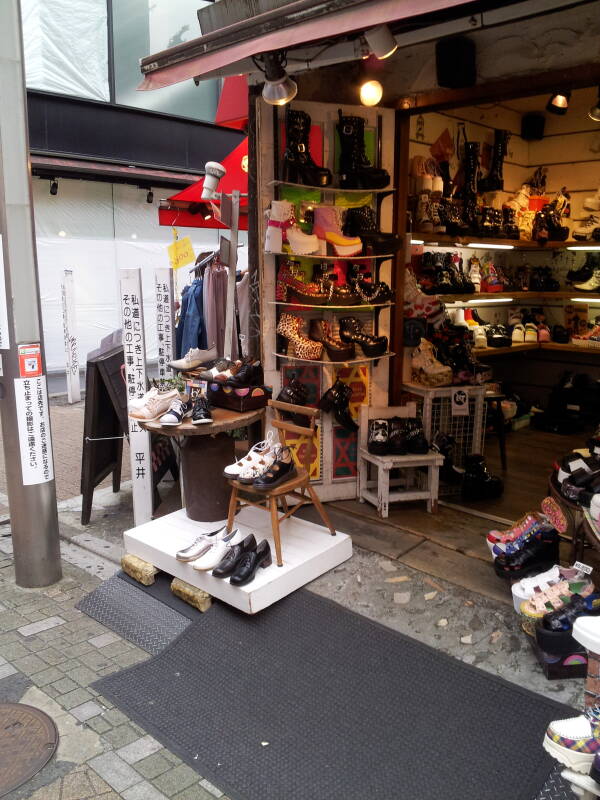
179 409
575 741
531 333
583 232
154 406
201 413
194 358
518 333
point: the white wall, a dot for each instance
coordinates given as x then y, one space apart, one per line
96 229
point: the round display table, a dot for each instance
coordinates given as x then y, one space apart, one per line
205 452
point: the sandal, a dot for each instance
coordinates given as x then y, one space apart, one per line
555 597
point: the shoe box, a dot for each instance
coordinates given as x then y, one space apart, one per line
247 398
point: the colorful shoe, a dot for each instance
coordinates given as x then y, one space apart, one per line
514 540
554 633
575 741
510 534
522 590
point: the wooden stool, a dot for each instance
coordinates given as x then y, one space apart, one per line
296 487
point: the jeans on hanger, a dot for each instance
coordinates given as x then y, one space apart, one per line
194 331
185 297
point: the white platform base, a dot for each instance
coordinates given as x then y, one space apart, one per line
582 786
309 550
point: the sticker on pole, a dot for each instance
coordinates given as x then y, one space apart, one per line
31 400
460 403
30 360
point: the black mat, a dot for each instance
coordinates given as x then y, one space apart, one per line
309 701
133 614
161 590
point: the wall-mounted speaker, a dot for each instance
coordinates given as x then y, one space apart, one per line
455 62
532 126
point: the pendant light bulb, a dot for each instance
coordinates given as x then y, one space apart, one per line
558 103
594 112
381 42
371 93
279 88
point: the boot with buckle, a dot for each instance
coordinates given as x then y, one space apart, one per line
351 330
362 222
298 164
356 171
320 331
283 229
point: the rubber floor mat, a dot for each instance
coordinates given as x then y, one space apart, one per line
310 700
555 787
133 614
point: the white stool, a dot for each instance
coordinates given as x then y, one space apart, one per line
377 491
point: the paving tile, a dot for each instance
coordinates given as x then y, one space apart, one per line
10 621
74 698
175 780
114 716
153 765
115 771
121 736
86 711
2 661
194 792
104 639
51 656
6 670
47 676
65 685
96 660
30 664
42 625
143 791
211 788
98 724
172 758
82 675
139 749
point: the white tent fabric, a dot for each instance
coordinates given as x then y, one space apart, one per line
66 47
97 229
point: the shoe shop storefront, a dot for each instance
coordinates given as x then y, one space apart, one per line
423 214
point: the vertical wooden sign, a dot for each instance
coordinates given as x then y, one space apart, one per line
134 349
165 319
70 337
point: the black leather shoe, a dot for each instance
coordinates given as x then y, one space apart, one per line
230 561
296 393
248 375
537 555
416 443
281 470
250 562
201 413
339 395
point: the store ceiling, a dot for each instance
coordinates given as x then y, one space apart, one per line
580 98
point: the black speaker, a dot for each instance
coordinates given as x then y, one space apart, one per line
532 126
455 62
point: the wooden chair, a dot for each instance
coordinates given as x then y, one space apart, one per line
296 487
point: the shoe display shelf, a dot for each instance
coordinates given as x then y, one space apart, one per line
334 189
444 240
338 364
317 257
521 347
309 551
414 483
518 297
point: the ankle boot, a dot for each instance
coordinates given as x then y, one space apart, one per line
443 443
478 483
298 164
291 288
509 218
356 171
320 331
282 229
494 182
329 232
362 222
337 399
368 291
351 330
304 348
426 369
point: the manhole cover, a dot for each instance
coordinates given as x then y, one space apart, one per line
28 740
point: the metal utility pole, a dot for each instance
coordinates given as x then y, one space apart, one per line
23 394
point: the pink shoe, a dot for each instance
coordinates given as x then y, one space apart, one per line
518 529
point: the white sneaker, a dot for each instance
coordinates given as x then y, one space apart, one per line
138 402
459 318
479 337
531 333
180 408
592 203
572 741
518 334
217 552
253 456
586 631
203 543
154 406
475 272
584 231
194 358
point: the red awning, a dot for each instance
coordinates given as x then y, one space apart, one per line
187 209
232 110
336 24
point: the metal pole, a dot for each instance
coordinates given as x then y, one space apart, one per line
23 394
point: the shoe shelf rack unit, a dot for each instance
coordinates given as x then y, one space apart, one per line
518 297
521 347
444 240
334 467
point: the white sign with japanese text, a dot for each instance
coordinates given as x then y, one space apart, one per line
31 399
134 350
165 319
70 337
4 336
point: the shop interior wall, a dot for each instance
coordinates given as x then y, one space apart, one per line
96 229
570 150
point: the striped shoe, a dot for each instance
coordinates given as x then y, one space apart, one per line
517 530
574 742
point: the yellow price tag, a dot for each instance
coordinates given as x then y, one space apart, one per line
181 252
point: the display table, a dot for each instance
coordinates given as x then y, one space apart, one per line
205 452
310 551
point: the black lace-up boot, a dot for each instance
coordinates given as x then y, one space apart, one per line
356 171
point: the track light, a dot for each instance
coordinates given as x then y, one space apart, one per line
594 112
558 103
54 187
279 88
150 196
371 93
381 42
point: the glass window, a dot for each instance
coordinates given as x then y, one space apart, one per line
142 27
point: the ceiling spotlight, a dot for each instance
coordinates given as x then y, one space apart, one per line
279 88
371 93
150 196
381 41
213 172
54 187
558 103
594 112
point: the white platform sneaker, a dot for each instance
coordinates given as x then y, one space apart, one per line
583 232
282 228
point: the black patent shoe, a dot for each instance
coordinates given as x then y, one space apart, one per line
351 330
201 413
416 443
295 393
280 471
234 554
397 441
338 395
536 555
250 562
248 375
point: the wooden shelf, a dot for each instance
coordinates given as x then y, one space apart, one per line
334 258
335 363
443 240
524 346
336 189
562 294
307 307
